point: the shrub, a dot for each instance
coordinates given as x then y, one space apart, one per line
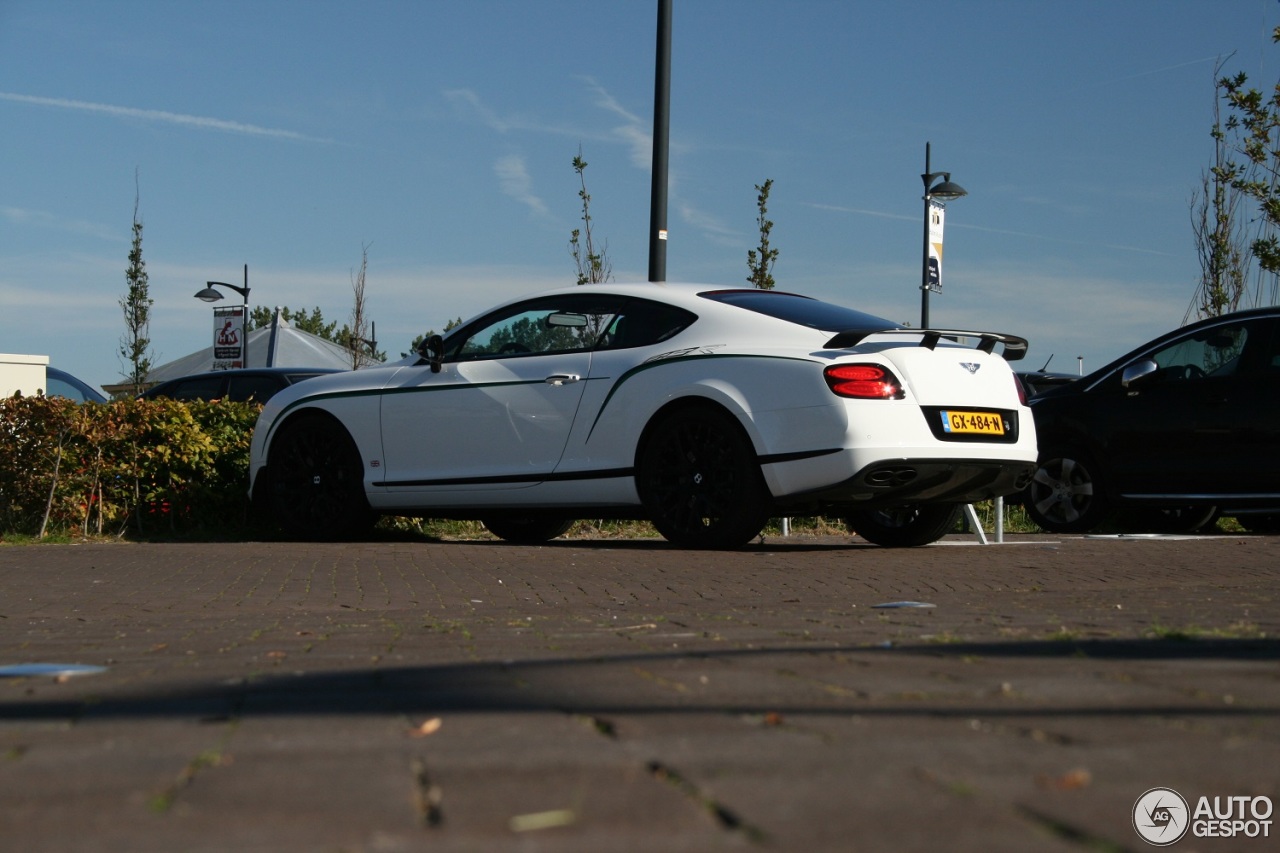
147 465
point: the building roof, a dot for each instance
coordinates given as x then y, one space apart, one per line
293 348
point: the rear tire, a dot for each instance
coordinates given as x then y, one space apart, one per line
699 480
904 527
529 530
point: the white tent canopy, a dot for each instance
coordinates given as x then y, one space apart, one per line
292 348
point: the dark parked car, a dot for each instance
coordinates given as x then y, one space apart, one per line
59 383
1039 381
1184 427
259 384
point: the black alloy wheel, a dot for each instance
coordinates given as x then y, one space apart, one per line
1066 494
317 481
700 482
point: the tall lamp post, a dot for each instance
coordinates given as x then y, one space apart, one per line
234 351
941 192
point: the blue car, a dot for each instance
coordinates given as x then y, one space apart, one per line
59 383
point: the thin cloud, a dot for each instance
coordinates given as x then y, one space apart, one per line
514 180
711 226
878 213
1141 74
969 227
469 104
160 116
634 131
471 100
41 219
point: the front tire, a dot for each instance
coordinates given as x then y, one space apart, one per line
317 481
528 530
699 481
904 527
1066 494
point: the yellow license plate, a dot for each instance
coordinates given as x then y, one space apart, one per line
981 423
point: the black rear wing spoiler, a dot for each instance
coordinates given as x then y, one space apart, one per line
1014 346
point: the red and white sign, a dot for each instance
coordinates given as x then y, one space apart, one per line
228 337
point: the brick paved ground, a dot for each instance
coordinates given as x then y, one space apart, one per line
585 696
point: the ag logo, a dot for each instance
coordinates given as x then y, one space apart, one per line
971 366
1161 816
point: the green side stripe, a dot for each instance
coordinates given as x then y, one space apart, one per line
639 368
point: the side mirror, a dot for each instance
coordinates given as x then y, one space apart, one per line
1136 372
431 351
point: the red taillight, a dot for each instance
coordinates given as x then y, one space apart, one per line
1022 389
863 381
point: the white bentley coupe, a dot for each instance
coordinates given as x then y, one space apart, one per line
706 410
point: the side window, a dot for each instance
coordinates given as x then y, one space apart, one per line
205 388
55 387
543 326
1271 354
642 323
1213 352
259 389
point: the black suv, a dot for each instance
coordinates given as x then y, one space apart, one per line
1182 429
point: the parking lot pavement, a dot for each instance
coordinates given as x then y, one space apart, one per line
624 695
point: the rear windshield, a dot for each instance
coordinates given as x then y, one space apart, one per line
800 310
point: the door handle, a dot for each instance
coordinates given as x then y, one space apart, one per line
562 378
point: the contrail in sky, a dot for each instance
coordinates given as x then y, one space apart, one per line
198 122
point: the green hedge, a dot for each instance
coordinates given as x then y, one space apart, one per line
147 466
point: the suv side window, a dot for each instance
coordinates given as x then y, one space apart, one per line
204 388
1213 352
259 389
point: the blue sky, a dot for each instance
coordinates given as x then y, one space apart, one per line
290 135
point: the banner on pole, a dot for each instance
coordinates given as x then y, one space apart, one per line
937 216
228 337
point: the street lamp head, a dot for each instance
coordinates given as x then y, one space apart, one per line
947 191
211 295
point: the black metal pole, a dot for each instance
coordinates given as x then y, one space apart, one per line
244 321
661 135
924 260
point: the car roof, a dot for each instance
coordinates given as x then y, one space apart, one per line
239 371
1089 380
688 295
80 385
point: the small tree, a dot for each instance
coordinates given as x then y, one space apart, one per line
312 321
1222 246
357 331
1253 131
594 266
135 345
761 260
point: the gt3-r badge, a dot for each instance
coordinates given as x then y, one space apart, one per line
970 366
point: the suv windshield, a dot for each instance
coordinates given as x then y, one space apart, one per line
801 310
